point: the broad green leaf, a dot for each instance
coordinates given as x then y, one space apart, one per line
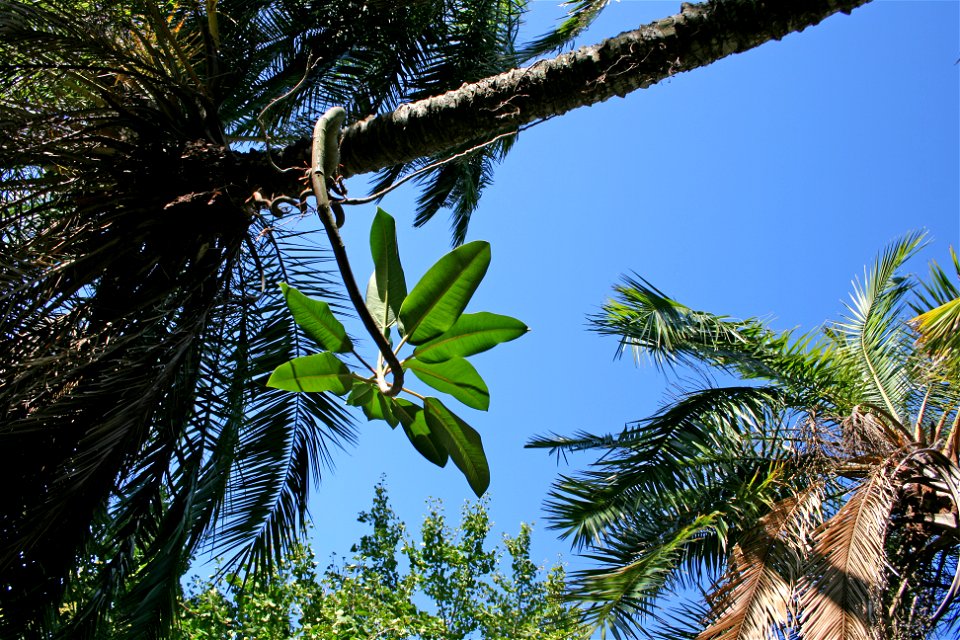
374 404
360 394
418 432
316 319
379 311
379 407
317 372
461 441
456 377
470 334
443 292
387 288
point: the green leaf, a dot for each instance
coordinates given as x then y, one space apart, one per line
317 372
456 377
387 288
443 292
418 431
360 394
374 404
470 334
378 407
382 316
461 441
316 319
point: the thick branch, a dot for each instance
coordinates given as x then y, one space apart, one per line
698 36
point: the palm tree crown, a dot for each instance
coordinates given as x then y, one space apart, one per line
817 495
138 275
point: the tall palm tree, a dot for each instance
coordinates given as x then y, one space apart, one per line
138 278
139 142
816 494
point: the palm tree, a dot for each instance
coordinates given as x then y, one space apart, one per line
138 278
139 142
816 493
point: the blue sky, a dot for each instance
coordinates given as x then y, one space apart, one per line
758 186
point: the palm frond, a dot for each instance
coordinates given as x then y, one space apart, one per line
652 324
579 441
655 457
938 315
623 592
755 596
873 331
840 591
703 454
458 185
580 15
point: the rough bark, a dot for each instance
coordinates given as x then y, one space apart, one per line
697 36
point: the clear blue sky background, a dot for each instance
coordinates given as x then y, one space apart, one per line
758 186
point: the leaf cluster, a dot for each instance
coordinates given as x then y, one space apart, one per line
431 318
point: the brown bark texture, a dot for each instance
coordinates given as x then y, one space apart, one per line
697 36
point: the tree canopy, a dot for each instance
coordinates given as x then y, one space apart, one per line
445 585
814 484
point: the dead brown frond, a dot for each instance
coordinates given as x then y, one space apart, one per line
844 576
756 592
865 431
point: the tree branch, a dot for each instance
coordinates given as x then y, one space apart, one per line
697 36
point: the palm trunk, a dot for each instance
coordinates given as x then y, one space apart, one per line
696 37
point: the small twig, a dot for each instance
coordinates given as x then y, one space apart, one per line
402 342
410 176
256 261
263 128
415 394
362 361
439 163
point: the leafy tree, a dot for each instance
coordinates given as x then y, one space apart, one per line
818 492
447 586
143 148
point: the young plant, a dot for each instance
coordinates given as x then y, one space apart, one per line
430 319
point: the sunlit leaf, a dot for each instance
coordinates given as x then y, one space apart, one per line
377 306
456 377
317 372
461 441
413 420
317 321
388 286
470 334
442 294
